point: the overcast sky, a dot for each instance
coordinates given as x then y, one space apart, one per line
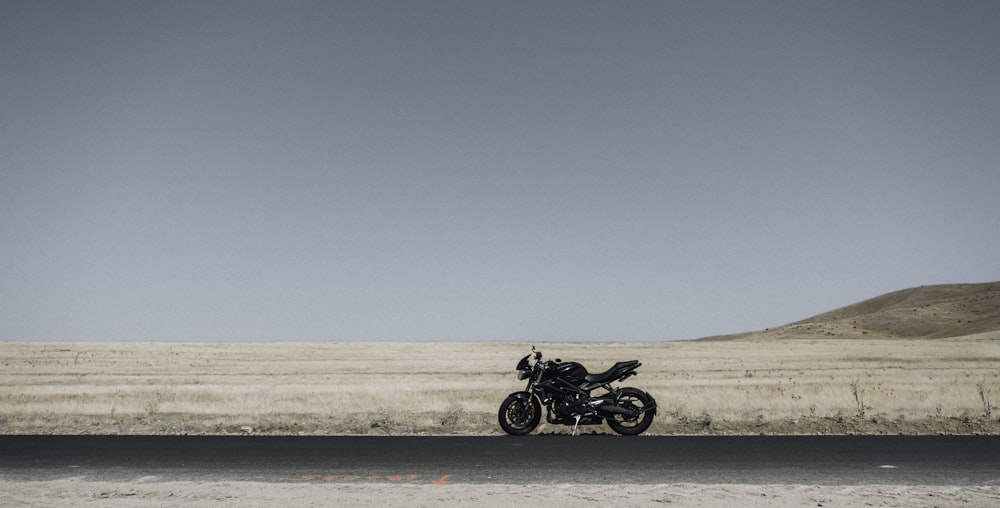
551 171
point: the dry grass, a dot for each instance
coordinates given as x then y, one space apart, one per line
749 386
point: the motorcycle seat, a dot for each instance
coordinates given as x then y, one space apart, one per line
613 373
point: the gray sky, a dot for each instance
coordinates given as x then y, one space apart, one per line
194 170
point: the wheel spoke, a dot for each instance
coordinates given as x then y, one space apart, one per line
519 416
642 408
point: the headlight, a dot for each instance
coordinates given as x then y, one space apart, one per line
523 374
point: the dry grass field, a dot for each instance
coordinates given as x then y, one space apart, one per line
918 361
742 387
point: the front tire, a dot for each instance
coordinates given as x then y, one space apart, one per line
638 401
519 415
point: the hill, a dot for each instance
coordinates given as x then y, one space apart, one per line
925 312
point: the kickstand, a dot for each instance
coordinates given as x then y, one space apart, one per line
575 425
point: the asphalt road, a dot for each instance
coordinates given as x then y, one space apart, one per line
810 460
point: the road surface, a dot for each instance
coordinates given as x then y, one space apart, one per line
547 459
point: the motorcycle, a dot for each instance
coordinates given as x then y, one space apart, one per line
564 388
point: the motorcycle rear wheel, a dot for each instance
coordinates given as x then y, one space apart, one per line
634 399
519 416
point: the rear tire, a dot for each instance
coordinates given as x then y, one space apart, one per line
638 400
519 416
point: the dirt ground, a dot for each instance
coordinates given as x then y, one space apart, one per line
150 493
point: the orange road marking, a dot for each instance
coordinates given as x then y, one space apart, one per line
440 481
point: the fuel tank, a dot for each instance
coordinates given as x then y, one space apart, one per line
571 371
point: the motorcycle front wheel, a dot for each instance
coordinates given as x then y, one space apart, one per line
641 403
519 416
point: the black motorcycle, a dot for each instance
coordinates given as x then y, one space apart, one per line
564 388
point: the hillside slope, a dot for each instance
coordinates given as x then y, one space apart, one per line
929 312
